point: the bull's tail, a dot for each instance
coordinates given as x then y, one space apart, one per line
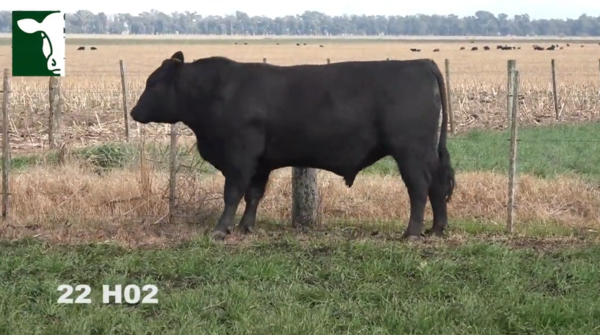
445 170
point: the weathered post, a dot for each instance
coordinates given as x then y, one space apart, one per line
173 172
555 93
124 93
512 173
5 144
509 89
55 112
449 95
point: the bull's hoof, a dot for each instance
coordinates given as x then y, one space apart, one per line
218 235
247 230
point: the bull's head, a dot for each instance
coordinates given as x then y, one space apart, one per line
159 102
52 30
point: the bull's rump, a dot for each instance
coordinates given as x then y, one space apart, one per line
345 116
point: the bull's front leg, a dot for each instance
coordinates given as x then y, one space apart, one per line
235 187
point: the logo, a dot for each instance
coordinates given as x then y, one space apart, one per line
38 43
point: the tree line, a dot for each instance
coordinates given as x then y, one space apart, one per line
483 23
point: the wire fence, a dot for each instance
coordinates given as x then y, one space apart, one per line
71 152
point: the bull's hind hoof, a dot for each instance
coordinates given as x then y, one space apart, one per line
247 230
218 235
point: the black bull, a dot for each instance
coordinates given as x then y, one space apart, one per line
252 118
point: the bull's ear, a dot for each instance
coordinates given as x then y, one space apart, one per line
177 57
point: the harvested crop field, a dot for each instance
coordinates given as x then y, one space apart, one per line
92 110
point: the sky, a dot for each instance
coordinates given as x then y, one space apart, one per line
537 9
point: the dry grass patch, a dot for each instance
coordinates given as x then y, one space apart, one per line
73 201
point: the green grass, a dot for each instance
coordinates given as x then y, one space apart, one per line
542 151
319 288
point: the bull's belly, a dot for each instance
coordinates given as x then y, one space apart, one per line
345 163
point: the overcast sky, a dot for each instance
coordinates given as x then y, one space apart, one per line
535 8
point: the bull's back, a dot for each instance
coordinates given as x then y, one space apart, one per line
336 115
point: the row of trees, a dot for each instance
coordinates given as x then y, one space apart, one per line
315 23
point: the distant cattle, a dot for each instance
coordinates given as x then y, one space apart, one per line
537 47
252 118
320 45
486 48
474 48
436 50
552 47
81 48
415 50
93 48
462 48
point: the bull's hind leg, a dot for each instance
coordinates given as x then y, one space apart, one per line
417 177
437 198
254 194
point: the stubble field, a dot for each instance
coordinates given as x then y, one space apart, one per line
95 189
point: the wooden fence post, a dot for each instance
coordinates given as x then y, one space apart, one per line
173 173
449 95
555 93
124 93
54 121
512 173
305 197
5 144
509 89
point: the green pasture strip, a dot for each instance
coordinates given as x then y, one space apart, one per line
287 287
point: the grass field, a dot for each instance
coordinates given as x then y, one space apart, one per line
310 287
89 213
